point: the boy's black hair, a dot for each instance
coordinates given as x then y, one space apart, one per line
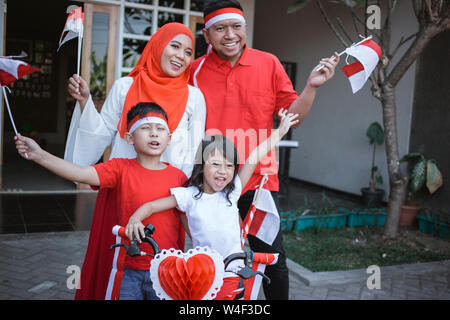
213 5
206 147
142 108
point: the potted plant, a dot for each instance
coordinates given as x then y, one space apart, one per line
437 225
424 172
366 217
373 196
320 215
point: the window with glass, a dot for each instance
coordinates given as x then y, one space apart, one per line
137 21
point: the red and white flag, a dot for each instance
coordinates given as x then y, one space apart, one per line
73 27
12 70
263 222
368 53
266 220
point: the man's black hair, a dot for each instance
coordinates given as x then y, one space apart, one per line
142 108
213 5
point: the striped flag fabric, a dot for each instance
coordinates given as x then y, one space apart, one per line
368 53
262 221
266 220
73 27
12 70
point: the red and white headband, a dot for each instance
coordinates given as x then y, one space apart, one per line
150 117
223 14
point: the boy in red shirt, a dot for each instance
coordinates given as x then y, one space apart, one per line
136 181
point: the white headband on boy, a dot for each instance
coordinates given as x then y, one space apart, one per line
142 121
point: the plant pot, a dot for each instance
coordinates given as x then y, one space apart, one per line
287 224
408 214
373 217
287 220
338 220
432 226
372 198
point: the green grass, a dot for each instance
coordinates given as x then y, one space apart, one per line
354 248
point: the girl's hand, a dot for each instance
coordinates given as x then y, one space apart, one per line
78 89
135 227
287 121
27 148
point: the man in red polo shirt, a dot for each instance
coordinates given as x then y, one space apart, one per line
243 87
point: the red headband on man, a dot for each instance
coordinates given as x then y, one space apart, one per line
223 14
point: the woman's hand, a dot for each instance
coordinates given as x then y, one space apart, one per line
287 121
78 88
27 148
136 228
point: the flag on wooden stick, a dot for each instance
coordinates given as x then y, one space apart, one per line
12 70
72 29
368 53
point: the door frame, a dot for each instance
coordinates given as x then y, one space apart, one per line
113 11
3 4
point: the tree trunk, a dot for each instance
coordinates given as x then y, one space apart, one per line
397 181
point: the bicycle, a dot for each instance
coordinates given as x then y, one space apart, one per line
249 258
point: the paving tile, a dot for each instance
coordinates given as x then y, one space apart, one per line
32 259
319 293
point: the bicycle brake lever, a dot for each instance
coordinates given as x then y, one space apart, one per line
246 273
132 250
266 278
118 245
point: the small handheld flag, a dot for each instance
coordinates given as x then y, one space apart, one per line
10 71
72 29
368 53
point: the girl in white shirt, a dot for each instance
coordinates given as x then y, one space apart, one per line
210 197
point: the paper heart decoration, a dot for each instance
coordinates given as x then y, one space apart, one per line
194 275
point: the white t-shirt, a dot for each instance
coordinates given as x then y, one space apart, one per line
213 222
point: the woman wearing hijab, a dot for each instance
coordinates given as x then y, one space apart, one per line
161 76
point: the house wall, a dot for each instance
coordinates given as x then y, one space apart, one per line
249 13
430 132
334 150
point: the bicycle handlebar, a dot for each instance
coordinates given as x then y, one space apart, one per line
133 249
246 272
249 257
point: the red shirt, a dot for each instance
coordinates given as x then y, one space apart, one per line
244 98
136 185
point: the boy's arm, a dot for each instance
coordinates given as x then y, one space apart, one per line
135 225
287 120
60 167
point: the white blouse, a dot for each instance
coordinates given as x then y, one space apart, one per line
213 221
91 132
